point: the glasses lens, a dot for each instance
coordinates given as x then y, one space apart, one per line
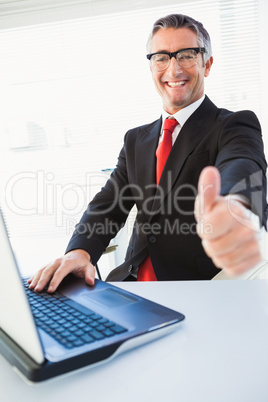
187 58
160 61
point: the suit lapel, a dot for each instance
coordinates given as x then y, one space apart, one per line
145 161
189 137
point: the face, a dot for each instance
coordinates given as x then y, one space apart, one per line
177 86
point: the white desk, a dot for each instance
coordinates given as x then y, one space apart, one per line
219 354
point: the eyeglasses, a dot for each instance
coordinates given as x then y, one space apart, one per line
186 58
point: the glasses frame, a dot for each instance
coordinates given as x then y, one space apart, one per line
174 54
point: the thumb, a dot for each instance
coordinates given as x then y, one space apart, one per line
209 187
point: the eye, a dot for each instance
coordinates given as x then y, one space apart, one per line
185 56
161 58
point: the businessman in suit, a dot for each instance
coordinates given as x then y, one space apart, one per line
202 212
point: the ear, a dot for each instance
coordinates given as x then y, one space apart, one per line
208 65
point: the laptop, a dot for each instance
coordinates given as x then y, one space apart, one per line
44 335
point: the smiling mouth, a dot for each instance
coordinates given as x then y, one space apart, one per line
173 84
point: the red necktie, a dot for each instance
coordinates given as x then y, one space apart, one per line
146 271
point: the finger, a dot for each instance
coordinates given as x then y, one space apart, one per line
79 268
59 274
209 186
243 266
228 219
35 278
238 255
90 274
231 242
216 223
46 274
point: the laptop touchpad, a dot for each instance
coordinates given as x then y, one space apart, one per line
111 298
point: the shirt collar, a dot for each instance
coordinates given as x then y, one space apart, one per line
182 115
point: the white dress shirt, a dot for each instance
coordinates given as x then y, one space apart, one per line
181 116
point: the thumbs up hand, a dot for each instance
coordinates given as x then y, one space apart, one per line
228 232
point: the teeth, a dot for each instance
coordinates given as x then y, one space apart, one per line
176 84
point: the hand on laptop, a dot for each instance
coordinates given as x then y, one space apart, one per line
228 231
76 262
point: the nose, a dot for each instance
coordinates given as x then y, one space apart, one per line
174 68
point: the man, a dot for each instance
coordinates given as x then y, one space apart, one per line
226 147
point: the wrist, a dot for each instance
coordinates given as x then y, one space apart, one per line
81 252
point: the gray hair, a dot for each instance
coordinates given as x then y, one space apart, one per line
183 21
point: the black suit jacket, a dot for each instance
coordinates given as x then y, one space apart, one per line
165 226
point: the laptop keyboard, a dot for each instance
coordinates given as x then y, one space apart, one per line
70 323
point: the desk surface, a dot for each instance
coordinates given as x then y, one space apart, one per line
219 354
